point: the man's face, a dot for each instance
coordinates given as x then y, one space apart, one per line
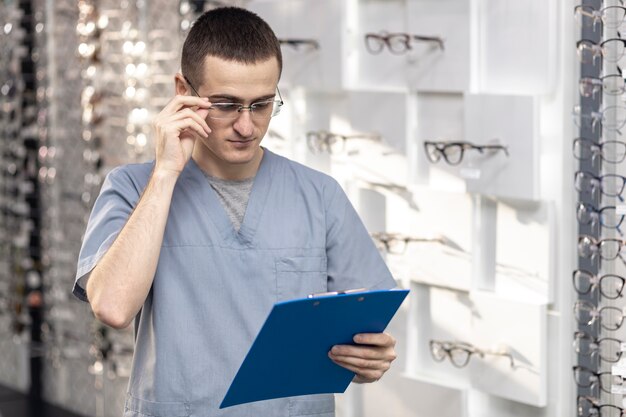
235 143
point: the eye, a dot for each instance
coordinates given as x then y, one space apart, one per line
262 105
226 107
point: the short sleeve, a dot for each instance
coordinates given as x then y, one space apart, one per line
353 259
114 205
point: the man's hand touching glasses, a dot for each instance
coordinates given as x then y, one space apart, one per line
175 127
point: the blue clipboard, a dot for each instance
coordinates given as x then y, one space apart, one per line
289 356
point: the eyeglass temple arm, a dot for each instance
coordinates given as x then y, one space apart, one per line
436 39
190 85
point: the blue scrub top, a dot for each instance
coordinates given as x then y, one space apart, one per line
214 286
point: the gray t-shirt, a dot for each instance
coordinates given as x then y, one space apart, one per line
234 195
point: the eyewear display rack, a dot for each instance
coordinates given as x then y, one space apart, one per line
22 115
588 105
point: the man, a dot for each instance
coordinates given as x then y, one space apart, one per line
198 245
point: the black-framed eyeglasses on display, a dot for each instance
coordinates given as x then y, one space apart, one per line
453 152
611 151
611 286
608 249
260 110
397 43
604 216
611 185
610 318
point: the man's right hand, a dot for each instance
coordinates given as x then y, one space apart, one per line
175 128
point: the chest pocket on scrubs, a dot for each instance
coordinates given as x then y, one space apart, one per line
299 276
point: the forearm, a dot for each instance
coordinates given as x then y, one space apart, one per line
119 284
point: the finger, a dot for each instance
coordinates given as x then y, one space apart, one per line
361 363
180 125
368 375
366 352
187 112
375 339
179 101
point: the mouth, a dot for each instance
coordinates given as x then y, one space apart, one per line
240 141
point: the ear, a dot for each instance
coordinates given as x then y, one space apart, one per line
181 86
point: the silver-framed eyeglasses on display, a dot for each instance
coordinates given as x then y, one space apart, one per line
334 143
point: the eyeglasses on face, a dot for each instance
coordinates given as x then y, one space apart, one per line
611 185
611 17
397 43
605 216
453 152
587 378
300 44
334 143
608 348
261 110
611 318
611 151
396 243
611 286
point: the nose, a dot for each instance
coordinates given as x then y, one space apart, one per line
244 124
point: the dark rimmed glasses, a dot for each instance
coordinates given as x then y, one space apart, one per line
459 353
610 318
611 286
587 378
607 249
397 43
608 348
453 152
611 185
334 143
300 44
611 151
260 110
605 216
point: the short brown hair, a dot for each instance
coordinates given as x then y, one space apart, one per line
230 33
